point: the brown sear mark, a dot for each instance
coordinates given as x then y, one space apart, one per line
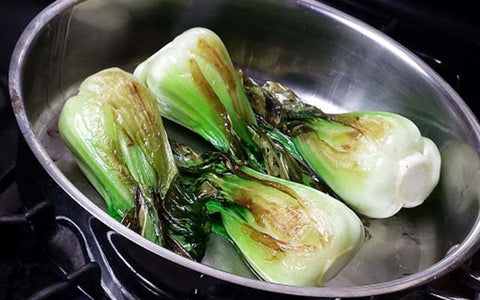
296 222
277 248
256 210
205 88
354 134
323 239
273 184
339 158
267 241
135 93
264 216
214 56
376 128
118 127
372 128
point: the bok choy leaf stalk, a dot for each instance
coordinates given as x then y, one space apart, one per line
287 233
377 162
196 85
113 127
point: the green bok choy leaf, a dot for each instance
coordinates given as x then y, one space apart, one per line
287 233
114 128
377 162
196 85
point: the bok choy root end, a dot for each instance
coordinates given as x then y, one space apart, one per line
377 162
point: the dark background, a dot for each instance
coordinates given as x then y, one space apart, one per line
14 17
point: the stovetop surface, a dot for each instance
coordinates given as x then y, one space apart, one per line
446 36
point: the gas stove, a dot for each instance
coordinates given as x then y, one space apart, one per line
46 255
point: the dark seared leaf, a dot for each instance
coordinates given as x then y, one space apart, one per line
264 105
185 219
194 164
281 158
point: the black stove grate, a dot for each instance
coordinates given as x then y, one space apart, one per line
27 237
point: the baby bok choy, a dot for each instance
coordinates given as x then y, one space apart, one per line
196 85
287 233
113 127
377 162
